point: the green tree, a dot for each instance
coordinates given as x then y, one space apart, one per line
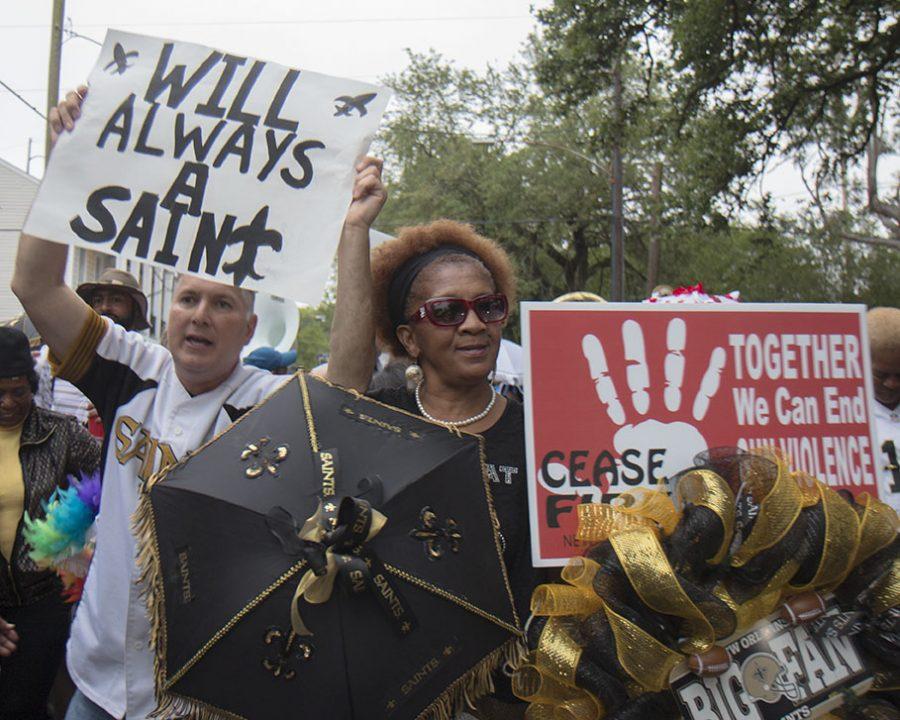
782 75
793 74
314 332
746 81
496 151
485 150
784 259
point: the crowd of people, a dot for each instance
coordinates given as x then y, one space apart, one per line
436 298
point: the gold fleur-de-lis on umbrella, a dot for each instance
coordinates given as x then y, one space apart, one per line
435 535
262 460
288 648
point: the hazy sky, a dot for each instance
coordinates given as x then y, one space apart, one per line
350 38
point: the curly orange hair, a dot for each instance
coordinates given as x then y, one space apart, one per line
390 256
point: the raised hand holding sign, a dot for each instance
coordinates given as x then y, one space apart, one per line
209 163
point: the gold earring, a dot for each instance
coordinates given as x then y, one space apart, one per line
414 376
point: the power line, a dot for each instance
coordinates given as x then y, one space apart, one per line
43 117
70 33
520 221
323 21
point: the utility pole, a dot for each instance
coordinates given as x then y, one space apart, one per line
617 244
56 33
31 156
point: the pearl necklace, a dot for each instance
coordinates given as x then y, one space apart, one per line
455 423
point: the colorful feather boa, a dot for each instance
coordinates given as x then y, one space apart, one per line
63 540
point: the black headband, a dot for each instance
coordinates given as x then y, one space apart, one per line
401 283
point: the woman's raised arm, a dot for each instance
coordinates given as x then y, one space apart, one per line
352 355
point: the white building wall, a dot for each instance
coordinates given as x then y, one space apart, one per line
17 191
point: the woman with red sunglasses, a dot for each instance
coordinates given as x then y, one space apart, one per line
437 295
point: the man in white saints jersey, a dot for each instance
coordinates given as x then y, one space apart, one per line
156 404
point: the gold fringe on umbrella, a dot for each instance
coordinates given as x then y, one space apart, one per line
143 524
170 704
475 684
471 686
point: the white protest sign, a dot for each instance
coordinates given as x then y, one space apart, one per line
199 161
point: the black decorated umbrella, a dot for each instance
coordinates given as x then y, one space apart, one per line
325 557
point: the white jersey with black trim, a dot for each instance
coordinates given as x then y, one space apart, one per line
57 394
150 422
887 428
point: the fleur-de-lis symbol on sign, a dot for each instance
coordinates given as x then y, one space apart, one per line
288 648
263 459
436 536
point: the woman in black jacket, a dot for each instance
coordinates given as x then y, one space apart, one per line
38 449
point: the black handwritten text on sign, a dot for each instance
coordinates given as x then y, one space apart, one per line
232 137
210 163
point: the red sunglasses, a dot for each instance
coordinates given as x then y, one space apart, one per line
447 312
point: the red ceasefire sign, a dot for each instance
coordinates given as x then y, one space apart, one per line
622 396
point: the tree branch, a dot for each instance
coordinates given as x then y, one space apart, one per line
883 209
556 256
869 240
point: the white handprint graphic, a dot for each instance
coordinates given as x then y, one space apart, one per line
681 439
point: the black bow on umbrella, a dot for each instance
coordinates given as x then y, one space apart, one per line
339 553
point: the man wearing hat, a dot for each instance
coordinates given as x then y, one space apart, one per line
268 358
116 295
38 449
